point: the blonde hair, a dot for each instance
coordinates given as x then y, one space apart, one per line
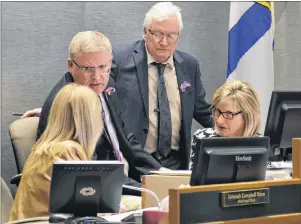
245 99
89 42
74 115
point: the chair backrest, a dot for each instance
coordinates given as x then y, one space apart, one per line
6 202
23 134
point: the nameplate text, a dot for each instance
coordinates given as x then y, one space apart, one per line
245 197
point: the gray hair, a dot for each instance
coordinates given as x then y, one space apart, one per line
162 11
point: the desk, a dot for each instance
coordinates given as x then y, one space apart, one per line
45 219
39 220
160 184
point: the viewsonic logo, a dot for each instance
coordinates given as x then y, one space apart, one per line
243 158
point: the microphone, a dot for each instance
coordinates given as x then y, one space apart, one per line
17 114
146 191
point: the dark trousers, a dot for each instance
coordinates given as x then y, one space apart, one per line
173 161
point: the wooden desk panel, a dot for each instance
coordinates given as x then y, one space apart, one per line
275 219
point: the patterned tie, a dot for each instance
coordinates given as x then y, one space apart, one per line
164 118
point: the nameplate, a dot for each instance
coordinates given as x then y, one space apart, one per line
245 197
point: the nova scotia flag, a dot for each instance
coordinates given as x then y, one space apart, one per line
250 49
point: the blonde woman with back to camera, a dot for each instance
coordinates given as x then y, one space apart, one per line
73 129
236 113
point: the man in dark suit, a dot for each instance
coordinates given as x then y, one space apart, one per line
160 88
89 63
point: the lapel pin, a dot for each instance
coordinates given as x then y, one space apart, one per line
184 85
110 90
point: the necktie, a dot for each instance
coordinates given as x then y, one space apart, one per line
164 118
118 156
111 134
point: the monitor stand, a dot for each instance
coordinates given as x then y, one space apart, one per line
87 195
286 154
240 172
280 154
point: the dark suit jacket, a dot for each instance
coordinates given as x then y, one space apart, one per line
130 71
140 162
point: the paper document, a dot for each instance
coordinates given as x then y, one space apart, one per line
172 172
120 216
280 165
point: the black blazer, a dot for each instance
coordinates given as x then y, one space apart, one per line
140 162
130 72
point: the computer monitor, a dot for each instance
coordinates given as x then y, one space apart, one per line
283 121
226 160
85 188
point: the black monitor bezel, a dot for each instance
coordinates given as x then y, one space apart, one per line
274 128
200 165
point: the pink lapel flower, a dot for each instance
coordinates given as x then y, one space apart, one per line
184 85
110 90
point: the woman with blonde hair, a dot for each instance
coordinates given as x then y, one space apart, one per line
74 127
236 113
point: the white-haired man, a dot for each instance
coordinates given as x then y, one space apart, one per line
160 88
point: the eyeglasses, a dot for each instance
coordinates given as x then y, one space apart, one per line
171 37
92 70
227 115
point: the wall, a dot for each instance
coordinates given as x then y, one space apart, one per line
287 54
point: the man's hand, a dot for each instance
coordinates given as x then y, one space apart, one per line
122 208
164 169
32 112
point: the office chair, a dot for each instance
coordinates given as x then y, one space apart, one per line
23 135
6 202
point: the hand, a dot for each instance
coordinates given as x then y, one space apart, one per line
184 186
29 113
122 208
164 169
